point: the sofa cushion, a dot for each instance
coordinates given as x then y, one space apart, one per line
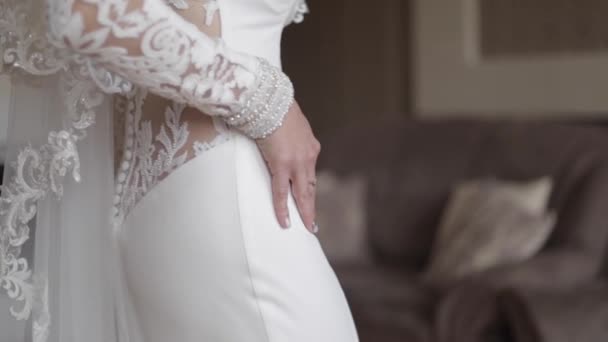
411 166
489 223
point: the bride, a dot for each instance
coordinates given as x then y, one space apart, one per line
193 219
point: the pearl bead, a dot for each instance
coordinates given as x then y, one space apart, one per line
121 178
125 165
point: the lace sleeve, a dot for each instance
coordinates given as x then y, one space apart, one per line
149 44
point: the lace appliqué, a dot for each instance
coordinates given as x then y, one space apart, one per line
41 326
179 4
40 170
174 59
147 159
210 6
201 147
300 11
21 46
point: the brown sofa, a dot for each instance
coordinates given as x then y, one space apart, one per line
409 167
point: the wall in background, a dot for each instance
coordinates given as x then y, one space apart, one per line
542 27
350 61
451 79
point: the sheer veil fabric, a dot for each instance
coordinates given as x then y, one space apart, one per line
55 253
57 271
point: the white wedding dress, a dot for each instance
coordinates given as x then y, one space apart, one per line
203 254
194 251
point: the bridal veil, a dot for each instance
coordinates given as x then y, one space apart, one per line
59 274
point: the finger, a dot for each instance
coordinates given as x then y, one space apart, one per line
280 189
304 194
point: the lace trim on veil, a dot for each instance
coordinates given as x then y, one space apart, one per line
39 171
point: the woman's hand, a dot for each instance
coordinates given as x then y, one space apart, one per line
291 154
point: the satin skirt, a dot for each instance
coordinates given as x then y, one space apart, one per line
205 259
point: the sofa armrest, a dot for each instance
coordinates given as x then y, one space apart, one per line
557 316
558 269
472 306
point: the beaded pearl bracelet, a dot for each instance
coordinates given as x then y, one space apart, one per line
265 109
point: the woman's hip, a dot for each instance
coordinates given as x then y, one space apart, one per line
208 238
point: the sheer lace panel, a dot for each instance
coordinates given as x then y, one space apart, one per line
161 134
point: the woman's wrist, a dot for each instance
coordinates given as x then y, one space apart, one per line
265 109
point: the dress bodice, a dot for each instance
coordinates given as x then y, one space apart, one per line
156 135
256 26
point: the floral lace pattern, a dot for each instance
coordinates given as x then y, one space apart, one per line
157 137
174 59
300 11
148 157
40 170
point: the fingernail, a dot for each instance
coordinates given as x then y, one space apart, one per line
287 222
315 227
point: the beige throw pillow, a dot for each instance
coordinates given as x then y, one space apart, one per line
489 223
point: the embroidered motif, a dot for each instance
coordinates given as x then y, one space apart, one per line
301 10
179 4
175 60
200 147
211 8
147 159
39 170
